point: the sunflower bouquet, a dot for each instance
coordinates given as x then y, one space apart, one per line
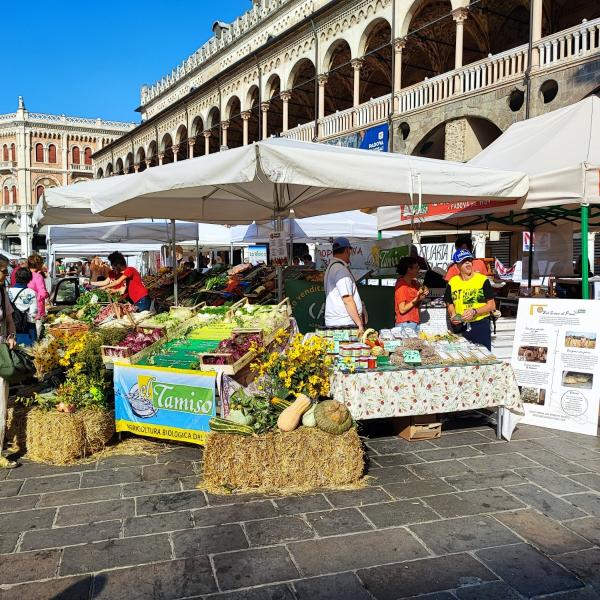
303 367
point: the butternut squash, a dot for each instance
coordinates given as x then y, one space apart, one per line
289 419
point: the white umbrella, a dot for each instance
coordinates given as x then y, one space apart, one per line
269 178
353 224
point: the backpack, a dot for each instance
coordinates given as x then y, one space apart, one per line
19 316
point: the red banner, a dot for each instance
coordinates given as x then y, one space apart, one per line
450 210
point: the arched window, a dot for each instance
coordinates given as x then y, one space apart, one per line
5 152
76 158
51 153
13 153
39 190
39 153
5 196
13 194
87 156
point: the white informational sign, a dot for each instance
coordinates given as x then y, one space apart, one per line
437 255
278 248
434 321
556 357
362 258
378 256
257 254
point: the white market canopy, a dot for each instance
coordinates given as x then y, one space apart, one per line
353 224
101 249
560 151
139 231
255 182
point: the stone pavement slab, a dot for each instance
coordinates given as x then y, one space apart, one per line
464 517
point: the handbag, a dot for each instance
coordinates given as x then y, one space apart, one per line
15 365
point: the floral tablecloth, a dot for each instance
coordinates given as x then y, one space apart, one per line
380 394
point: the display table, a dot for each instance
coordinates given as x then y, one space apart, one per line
398 393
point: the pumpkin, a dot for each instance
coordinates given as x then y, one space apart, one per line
290 418
308 418
332 416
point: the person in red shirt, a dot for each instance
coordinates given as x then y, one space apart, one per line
135 291
408 295
464 242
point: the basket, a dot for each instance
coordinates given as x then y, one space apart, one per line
67 330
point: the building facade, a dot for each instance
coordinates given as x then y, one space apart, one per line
38 151
446 77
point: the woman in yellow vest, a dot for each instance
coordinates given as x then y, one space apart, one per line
470 300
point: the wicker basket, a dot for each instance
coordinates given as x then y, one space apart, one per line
65 331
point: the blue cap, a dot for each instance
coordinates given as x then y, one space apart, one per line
341 243
461 255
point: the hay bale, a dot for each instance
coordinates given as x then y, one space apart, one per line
16 423
99 427
61 438
300 460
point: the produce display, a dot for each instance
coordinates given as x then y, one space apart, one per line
90 304
133 343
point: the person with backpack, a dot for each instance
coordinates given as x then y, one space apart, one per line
25 307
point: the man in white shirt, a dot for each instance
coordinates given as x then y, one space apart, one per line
343 306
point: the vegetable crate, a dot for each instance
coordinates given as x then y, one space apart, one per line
227 369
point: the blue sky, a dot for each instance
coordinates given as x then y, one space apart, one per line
90 58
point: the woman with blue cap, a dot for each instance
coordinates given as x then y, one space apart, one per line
470 300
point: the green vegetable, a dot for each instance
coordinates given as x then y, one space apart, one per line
219 425
238 416
333 417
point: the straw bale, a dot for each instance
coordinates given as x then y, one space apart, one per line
16 422
62 438
301 460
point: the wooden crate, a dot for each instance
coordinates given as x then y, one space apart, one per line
230 369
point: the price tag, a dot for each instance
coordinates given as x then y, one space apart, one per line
412 357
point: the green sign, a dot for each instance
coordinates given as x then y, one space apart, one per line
308 304
182 398
412 357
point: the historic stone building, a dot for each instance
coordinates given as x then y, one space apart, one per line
39 151
445 76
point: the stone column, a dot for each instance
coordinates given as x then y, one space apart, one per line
245 118
399 45
322 84
264 107
224 128
460 16
207 135
285 99
136 167
148 163
175 150
536 31
64 140
357 64
161 157
191 142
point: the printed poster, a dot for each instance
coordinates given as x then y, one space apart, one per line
555 360
170 404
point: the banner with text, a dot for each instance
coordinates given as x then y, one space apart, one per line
378 256
437 255
375 139
170 404
555 360
449 210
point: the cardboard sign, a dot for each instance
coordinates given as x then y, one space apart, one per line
412 357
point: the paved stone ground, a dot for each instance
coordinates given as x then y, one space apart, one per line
462 517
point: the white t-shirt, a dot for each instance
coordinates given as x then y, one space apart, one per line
338 283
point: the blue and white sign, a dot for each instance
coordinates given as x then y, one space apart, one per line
257 254
170 404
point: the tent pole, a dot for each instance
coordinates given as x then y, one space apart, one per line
530 258
174 261
231 255
198 248
585 281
